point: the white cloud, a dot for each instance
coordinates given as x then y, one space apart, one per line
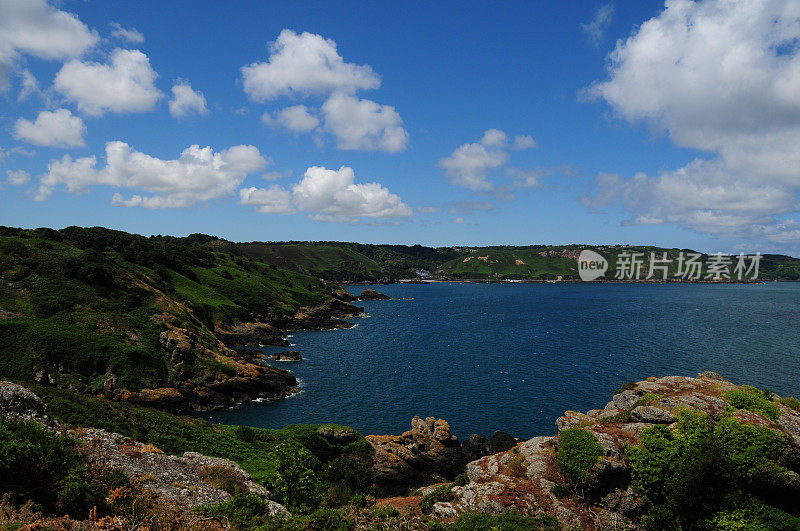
131 35
272 200
58 128
329 195
126 84
297 119
29 86
17 177
305 64
364 125
33 27
470 164
428 209
186 101
721 77
459 220
596 29
198 175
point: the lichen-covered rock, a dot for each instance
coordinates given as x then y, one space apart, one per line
189 481
652 415
426 454
19 403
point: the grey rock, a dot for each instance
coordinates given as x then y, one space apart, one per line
653 415
19 403
444 510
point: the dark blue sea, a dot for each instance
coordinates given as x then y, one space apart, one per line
514 357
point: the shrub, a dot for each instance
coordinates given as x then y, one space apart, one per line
752 399
559 490
578 451
629 386
791 402
701 469
46 469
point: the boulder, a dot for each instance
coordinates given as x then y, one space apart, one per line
501 442
372 295
475 447
426 454
18 403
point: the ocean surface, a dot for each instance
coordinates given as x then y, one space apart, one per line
514 357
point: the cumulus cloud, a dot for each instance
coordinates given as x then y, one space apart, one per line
58 128
329 195
363 124
741 64
199 174
33 27
301 65
125 84
470 164
305 64
186 101
17 177
131 35
596 29
298 119
272 200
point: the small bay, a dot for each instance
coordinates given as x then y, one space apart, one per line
514 357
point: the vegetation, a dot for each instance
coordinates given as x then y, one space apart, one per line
578 451
753 399
80 305
709 476
302 469
50 471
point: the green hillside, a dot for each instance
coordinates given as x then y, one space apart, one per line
353 262
78 306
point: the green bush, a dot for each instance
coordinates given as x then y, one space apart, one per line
752 399
791 402
703 469
46 469
559 490
578 451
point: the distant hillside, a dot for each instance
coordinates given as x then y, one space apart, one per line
353 262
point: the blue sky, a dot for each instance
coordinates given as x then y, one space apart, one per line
622 122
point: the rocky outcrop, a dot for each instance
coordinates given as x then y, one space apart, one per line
426 454
287 355
372 295
327 316
343 295
477 446
250 334
250 381
191 480
523 478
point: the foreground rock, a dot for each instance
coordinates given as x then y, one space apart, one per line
191 480
426 454
372 295
18 403
521 479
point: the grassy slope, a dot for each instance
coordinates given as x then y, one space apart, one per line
83 302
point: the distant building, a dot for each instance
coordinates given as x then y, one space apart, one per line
423 273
